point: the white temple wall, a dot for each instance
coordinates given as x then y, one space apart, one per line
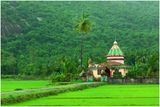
112 71
123 71
95 74
120 61
115 57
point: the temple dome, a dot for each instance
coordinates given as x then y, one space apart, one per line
115 50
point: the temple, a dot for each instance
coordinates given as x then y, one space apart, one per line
114 63
115 60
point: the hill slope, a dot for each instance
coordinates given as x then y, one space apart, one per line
40 38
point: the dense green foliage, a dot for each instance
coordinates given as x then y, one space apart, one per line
108 95
39 38
117 74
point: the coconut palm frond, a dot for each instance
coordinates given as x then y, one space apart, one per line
85 16
84 25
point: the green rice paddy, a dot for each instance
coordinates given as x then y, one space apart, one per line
11 85
108 95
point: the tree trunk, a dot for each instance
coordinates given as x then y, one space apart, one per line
81 56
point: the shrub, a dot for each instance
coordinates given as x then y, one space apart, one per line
117 74
17 89
57 78
63 77
9 76
63 83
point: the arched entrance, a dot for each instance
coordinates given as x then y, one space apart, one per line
108 72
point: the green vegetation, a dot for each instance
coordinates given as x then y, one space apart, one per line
126 95
117 74
40 41
84 26
11 98
39 38
12 85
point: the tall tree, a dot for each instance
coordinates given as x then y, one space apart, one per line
84 26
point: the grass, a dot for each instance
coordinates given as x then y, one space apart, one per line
12 98
12 85
108 95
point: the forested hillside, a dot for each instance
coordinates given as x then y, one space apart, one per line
39 38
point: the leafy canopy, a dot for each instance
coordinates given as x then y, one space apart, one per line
85 24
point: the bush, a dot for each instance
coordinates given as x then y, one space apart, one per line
117 74
57 78
18 89
63 83
63 77
23 77
77 80
9 76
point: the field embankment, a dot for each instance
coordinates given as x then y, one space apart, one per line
107 95
23 95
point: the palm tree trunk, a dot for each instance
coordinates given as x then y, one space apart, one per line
81 56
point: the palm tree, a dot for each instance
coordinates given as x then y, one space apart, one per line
84 26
